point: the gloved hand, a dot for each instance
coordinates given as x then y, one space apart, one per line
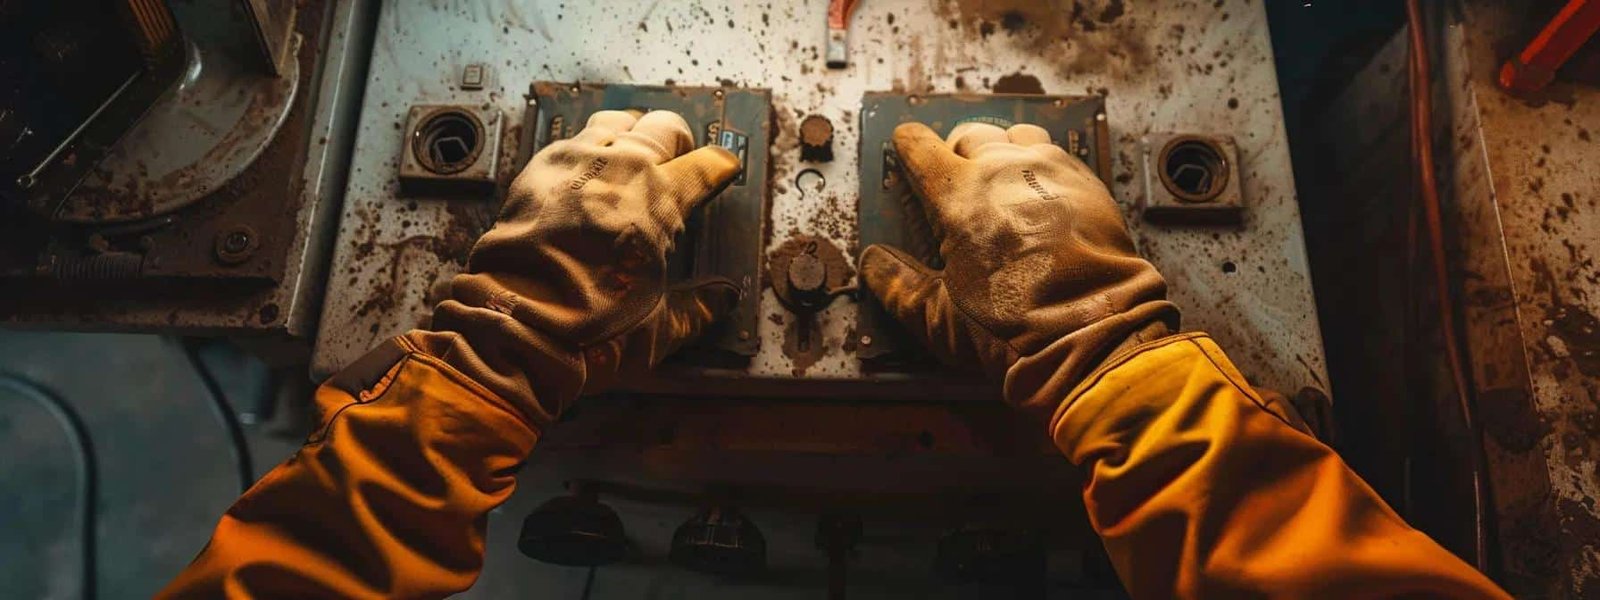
1041 282
568 290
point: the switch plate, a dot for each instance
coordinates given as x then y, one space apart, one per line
888 213
724 238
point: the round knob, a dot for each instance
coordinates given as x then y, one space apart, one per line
720 541
575 531
808 280
816 139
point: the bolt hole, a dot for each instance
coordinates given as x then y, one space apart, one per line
448 142
1194 170
1229 267
810 179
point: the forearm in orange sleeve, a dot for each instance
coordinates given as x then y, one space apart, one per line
387 498
1198 490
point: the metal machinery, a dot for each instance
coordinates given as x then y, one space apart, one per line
173 166
1519 190
807 401
1176 106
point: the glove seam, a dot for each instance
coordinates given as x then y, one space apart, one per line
471 385
1244 389
1111 364
1124 357
367 396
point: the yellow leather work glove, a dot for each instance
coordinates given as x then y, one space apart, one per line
1041 282
569 288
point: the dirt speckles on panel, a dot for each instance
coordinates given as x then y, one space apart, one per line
1077 36
1018 83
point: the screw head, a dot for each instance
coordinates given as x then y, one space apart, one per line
866 340
236 241
235 244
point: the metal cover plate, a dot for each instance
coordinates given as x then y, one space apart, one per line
724 237
1185 68
889 214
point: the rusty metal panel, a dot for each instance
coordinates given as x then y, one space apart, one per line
1531 167
1520 193
286 200
1162 68
273 26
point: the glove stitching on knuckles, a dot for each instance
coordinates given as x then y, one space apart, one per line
1042 280
569 288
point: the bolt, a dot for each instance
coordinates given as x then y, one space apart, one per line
1099 116
235 245
866 340
236 242
744 335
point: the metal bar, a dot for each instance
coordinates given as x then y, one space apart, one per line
1535 67
26 180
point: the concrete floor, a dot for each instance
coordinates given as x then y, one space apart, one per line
166 475
165 472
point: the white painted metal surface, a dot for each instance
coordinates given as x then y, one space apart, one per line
1164 67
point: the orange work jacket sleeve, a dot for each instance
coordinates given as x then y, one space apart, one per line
387 499
1198 489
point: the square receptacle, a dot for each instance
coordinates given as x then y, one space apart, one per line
451 149
1192 179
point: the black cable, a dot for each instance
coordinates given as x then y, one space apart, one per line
88 476
588 584
225 413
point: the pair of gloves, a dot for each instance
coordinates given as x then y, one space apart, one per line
1197 486
1042 281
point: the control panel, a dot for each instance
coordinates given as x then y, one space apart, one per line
807 415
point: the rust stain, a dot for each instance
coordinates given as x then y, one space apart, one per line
138 196
1018 83
804 352
1077 36
1579 332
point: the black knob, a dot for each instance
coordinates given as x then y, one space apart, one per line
720 541
574 531
989 556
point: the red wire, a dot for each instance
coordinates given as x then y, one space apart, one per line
839 12
1428 195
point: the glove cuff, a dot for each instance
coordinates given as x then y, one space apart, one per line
1038 383
504 355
